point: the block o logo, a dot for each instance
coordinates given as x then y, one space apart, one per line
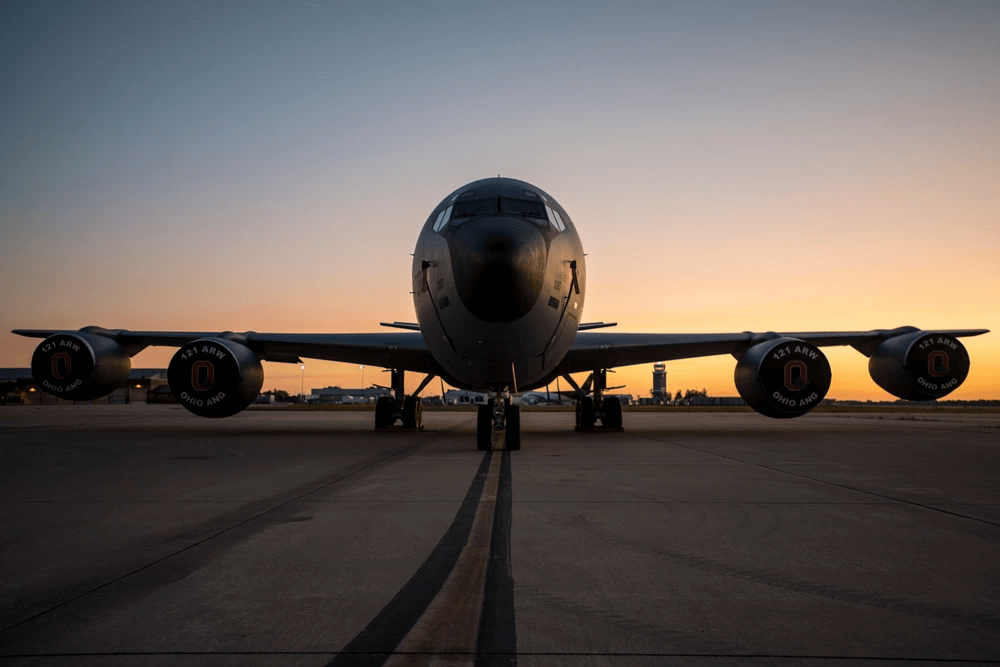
796 375
202 375
62 365
937 363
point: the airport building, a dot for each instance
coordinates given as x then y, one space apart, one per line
18 387
348 395
462 397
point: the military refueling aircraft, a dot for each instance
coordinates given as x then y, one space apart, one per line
499 282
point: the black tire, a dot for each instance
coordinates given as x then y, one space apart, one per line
513 435
612 412
413 413
585 416
383 412
484 428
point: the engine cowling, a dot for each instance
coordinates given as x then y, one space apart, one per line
215 377
80 365
919 366
783 377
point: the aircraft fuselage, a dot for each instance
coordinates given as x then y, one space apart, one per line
498 285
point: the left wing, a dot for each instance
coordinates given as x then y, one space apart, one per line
593 351
785 374
400 350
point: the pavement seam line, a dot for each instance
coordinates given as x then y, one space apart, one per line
200 542
734 656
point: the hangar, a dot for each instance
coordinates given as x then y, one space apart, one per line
18 387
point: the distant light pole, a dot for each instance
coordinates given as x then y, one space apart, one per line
363 383
302 389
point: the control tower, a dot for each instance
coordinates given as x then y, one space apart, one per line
659 392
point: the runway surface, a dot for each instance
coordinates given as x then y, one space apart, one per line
142 535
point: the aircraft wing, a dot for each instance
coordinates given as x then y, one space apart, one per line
592 351
403 350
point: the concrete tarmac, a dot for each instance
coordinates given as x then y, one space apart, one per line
143 535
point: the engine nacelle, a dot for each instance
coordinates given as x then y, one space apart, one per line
80 365
783 377
215 377
919 366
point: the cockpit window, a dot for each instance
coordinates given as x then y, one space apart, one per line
442 219
556 220
474 207
525 209
465 209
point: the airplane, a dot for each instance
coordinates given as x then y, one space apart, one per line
546 397
499 281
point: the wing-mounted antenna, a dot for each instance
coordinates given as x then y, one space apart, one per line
410 326
586 326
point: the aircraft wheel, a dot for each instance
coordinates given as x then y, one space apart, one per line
612 412
383 412
513 414
484 428
413 412
585 417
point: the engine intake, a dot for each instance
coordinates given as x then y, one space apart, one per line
80 365
783 377
920 366
215 377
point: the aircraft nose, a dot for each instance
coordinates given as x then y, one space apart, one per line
499 267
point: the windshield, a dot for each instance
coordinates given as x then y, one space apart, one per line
470 209
525 209
518 207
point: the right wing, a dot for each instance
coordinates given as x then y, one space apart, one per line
593 351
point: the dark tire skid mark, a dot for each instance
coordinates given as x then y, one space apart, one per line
497 640
497 632
373 645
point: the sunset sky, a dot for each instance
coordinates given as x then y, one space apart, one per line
729 166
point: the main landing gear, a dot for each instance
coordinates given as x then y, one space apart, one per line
407 409
498 419
607 410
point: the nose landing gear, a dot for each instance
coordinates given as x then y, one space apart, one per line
498 423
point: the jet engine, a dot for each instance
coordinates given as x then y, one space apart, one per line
783 377
80 365
215 377
919 366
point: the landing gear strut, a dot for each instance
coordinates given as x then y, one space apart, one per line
498 418
608 410
407 409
